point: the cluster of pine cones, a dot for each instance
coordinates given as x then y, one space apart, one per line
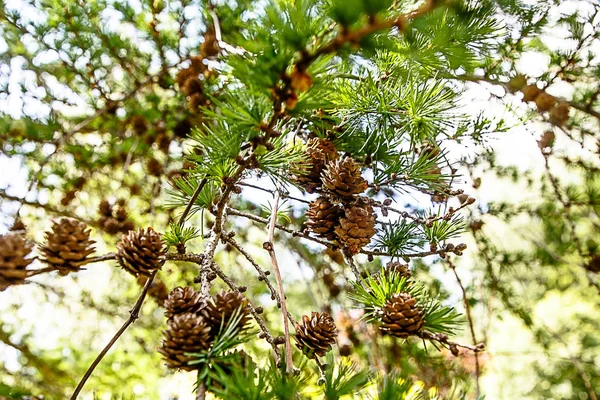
113 219
195 320
558 112
66 249
339 213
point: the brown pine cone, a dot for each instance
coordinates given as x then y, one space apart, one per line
399 268
138 124
183 300
559 114
106 209
316 334
357 226
320 152
157 290
14 252
530 92
322 217
220 309
517 82
594 264
545 101
67 245
18 226
343 178
210 46
183 75
186 333
192 85
402 316
154 167
141 252
547 140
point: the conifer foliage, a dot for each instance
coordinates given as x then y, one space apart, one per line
337 113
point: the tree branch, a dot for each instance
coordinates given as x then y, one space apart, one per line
133 316
270 247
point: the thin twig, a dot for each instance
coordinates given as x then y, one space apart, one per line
201 391
270 247
190 204
133 315
443 339
471 326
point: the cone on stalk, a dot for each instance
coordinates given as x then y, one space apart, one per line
67 246
316 334
343 178
402 316
221 308
357 226
186 333
183 300
14 260
322 217
320 152
141 252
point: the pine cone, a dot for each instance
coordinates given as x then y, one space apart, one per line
14 250
399 268
221 307
316 334
343 177
320 152
402 316
357 226
183 300
157 290
322 217
186 333
154 167
594 264
141 252
67 245
530 92
545 101
559 114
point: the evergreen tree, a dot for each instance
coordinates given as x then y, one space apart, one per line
220 152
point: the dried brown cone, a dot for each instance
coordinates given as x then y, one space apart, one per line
141 252
18 226
183 300
138 124
192 85
183 75
545 101
559 114
220 309
402 316
315 335
14 252
320 152
67 245
210 46
530 92
399 268
157 290
343 177
154 167
594 264
356 227
322 217
186 333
